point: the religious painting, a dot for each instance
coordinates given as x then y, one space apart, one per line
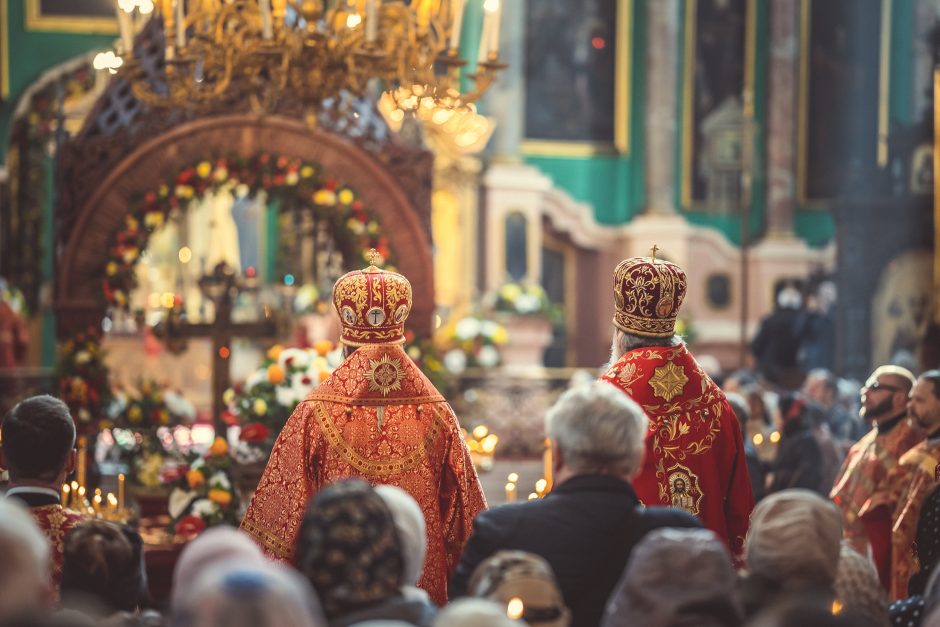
840 103
715 79
570 70
80 16
901 310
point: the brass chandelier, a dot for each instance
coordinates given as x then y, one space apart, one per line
326 54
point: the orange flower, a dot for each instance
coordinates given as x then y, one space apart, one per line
324 375
195 479
222 498
275 374
275 351
219 447
323 347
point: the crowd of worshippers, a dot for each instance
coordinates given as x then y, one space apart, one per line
588 555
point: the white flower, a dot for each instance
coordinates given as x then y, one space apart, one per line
526 303
286 396
303 383
197 463
299 358
204 508
82 357
488 356
179 499
335 357
258 376
467 329
488 328
455 361
220 480
179 406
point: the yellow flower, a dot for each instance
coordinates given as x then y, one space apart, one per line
163 191
222 498
154 219
195 478
260 407
130 255
184 191
219 447
373 227
500 335
306 171
228 397
510 292
204 169
275 374
131 222
355 226
275 352
346 197
220 174
134 414
325 197
163 417
111 268
291 178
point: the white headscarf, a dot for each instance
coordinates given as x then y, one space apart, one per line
410 525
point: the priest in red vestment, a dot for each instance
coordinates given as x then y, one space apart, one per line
379 418
694 448
38 450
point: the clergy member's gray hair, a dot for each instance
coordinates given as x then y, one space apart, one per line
598 429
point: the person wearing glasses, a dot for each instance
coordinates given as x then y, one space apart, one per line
862 480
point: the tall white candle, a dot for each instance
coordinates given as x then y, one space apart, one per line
127 29
485 37
372 20
456 13
180 23
267 30
494 30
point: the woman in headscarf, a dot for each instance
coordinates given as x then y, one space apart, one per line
799 460
791 551
215 545
676 578
350 551
524 584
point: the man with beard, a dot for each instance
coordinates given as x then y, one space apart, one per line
694 449
861 481
917 474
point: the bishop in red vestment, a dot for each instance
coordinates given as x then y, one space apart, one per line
694 448
379 418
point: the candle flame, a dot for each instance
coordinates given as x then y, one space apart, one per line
515 608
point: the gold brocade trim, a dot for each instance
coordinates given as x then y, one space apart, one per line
638 325
668 381
371 467
269 541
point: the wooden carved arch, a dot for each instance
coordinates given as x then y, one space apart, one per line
79 301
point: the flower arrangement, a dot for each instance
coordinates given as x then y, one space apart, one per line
524 299
83 380
289 180
268 397
143 417
204 494
471 342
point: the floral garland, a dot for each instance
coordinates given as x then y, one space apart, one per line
205 493
289 180
83 380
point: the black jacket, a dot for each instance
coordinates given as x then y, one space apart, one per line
585 528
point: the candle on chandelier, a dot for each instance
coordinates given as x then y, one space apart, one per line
494 30
267 30
127 29
456 16
372 21
180 24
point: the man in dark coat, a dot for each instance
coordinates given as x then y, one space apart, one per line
587 526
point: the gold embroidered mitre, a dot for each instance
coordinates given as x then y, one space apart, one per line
647 295
373 305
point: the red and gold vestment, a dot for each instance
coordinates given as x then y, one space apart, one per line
377 417
694 450
55 522
862 478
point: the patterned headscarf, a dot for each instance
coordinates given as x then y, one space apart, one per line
794 539
348 548
676 577
857 585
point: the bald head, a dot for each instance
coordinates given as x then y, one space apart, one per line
885 393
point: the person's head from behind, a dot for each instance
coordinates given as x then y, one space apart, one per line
794 540
885 393
24 562
215 545
410 524
523 583
793 413
475 613
821 386
596 430
103 568
924 404
349 550
237 594
38 442
676 577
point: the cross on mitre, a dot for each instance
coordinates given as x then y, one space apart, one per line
654 249
373 253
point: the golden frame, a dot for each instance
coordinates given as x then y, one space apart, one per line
4 50
36 21
884 83
623 76
688 74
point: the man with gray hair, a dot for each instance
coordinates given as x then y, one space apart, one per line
694 450
586 527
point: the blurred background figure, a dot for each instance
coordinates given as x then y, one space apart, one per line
799 459
517 578
776 346
25 577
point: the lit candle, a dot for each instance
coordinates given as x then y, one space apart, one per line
456 14
266 29
80 472
540 486
167 10
510 492
112 506
547 463
484 38
120 498
65 494
372 21
424 15
494 30
96 502
127 29
181 24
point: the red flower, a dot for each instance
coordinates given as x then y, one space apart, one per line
254 433
282 162
330 184
229 418
150 197
189 526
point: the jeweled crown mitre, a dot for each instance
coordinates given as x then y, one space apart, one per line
373 305
647 295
